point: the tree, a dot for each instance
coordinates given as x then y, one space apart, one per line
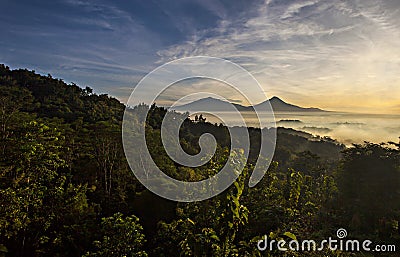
36 198
121 236
207 228
14 100
368 182
201 118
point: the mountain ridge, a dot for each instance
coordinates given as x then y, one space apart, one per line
214 104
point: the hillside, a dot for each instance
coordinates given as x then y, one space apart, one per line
53 98
66 188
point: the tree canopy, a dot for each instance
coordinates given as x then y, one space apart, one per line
66 188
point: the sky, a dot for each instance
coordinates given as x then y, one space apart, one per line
335 55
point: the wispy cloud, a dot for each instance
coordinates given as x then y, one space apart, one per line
295 8
325 53
311 50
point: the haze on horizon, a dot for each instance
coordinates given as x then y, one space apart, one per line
340 56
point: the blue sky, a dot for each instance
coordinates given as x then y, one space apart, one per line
340 55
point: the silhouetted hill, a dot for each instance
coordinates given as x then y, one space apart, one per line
209 104
278 105
53 98
216 105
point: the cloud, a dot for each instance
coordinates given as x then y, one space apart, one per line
295 8
90 43
311 48
330 54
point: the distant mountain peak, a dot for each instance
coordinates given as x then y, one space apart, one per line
276 99
208 98
214 104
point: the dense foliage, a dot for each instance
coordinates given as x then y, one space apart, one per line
66 188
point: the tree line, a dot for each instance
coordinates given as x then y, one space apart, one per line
66 188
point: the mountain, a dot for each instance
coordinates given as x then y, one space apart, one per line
278 105
211 104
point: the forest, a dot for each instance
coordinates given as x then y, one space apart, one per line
66 188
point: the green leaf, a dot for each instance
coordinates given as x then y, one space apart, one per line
3 249
290 235
215 237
